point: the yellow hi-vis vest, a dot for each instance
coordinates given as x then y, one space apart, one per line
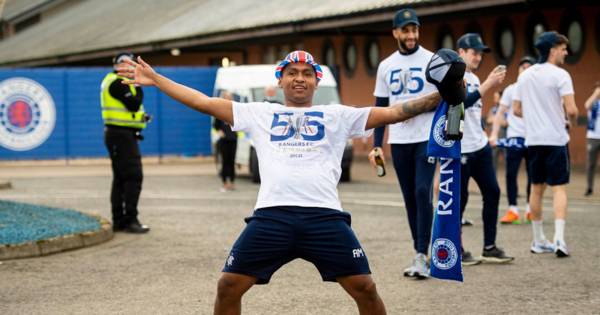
114 111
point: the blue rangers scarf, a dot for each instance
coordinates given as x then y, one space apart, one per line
445 238
512 143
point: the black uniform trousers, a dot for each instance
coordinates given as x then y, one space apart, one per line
227 148
478 165
122 145
415 173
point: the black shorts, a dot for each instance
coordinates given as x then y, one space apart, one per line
549 164
277 235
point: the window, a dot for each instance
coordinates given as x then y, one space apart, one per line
328 58
445 38
350 57
268 56
372 56
504 41
536 25
572 26
284 50
328 54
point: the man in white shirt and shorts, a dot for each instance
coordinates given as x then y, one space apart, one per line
545 98
299 146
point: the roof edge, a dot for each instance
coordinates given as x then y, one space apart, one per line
372 16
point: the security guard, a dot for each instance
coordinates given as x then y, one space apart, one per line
124 118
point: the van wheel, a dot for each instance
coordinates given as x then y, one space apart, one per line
254 171
345 177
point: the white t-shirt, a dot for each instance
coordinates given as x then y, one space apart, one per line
516 126
540 89
474 138
299 150
594 134
401 78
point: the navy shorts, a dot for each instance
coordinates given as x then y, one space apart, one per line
549 164
277 235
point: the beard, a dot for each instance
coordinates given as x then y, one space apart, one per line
405 50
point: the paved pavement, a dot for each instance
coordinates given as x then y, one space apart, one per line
174 268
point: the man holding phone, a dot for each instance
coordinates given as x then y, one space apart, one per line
476 153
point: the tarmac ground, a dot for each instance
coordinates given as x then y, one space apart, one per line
174 268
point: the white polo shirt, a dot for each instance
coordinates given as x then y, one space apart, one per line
540 89
401 78
299 150
474 137
516 126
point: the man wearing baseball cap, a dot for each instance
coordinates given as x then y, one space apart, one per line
514 148
544 97
299 146
400 78
476 159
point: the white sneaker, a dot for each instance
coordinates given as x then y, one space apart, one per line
410 271
542 247
421 271
560 249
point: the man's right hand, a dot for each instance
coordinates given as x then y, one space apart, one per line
139 73
376 151
496 77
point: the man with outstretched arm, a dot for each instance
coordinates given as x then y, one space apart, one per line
299 148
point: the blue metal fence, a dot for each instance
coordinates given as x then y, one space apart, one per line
78 128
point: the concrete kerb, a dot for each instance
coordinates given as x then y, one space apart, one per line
58 244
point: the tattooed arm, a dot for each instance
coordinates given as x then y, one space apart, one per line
380 116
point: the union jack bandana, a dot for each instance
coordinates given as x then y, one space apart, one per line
299 56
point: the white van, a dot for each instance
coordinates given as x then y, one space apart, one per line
247 84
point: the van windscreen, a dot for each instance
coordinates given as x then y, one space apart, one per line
324 95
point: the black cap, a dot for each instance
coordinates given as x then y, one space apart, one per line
446 71
404 17
473 41
445 65
545 41
527 59
118 58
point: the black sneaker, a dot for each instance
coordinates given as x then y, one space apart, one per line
495 255
588 192
469 260
136 227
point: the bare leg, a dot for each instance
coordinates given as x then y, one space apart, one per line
559 193
230 289
362 289
535 201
